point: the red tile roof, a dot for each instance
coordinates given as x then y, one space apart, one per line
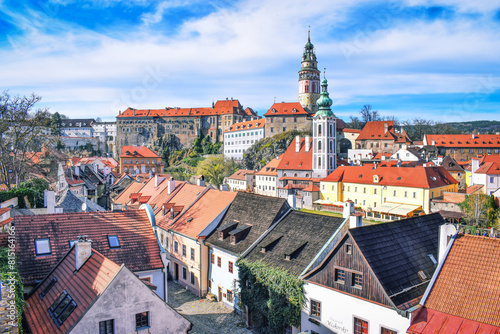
492 141
490 158
415 177
4 210
351 130
183 195
6 221
250 112
248 125
125 195
241 174
139 248
142 152
472 189
376 131
220 107
489 168
311 188
84 286
286 108
270 168
429 321
468 285
302 160
380 155
193 220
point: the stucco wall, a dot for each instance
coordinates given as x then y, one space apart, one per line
122 300
338 311
221 277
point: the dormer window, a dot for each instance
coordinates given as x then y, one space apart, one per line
48 287
113 241
274 110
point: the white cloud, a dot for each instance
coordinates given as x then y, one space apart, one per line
250 51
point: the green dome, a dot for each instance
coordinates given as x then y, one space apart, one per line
324 102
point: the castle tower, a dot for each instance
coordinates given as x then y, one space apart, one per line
309 78
324 135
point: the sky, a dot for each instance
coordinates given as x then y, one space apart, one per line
437 60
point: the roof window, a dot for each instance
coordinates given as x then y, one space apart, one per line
48 287
42 246
62 308
113 241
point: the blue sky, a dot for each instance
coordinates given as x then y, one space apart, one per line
429 59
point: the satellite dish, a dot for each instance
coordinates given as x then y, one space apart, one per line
84 207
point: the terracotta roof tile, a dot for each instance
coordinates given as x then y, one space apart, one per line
270 168
473 189
376 131
489 168
125 196
220 107
84 286
194 219
141 152
183 195
311 188
428 321
241 174
492 141
351 130
415 177
248 125
4 210
302 160
286 108
139 248
490 158
468 284
6 221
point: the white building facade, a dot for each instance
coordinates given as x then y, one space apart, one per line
342 313
241 136
223 277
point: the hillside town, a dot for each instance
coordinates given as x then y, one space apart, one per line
220 220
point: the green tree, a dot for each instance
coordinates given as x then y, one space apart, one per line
197 146
475 208
56 124
215 169
22 132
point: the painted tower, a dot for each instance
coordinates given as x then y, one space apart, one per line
324 135
309 77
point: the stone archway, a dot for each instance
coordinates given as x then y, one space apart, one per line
345 145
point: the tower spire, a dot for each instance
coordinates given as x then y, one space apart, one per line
309 77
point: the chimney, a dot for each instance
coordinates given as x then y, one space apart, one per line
292 201
473 136
348 209
83 250
475 165
171 185
297 144
158 180
50 200
308 143
200 181
223 187
446 232
433 142
386 127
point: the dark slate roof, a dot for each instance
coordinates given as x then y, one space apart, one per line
300 234
249 209
139 248
70 202
397 251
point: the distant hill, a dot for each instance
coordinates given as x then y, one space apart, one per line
489 127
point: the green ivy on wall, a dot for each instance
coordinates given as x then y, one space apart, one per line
5 269
274 296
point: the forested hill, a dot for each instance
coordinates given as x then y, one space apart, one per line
490 127
266 149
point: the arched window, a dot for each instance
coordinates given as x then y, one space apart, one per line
319 162
319 129
295 175
319 145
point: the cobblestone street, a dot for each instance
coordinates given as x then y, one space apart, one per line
207 317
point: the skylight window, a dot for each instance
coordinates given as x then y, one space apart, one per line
47 288
42 246
62 308
113 241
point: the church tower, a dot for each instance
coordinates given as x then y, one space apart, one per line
324 135
309 78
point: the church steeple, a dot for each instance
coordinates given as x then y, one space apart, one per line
324 135
309 78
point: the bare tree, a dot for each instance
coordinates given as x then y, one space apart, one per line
23 131
369 115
